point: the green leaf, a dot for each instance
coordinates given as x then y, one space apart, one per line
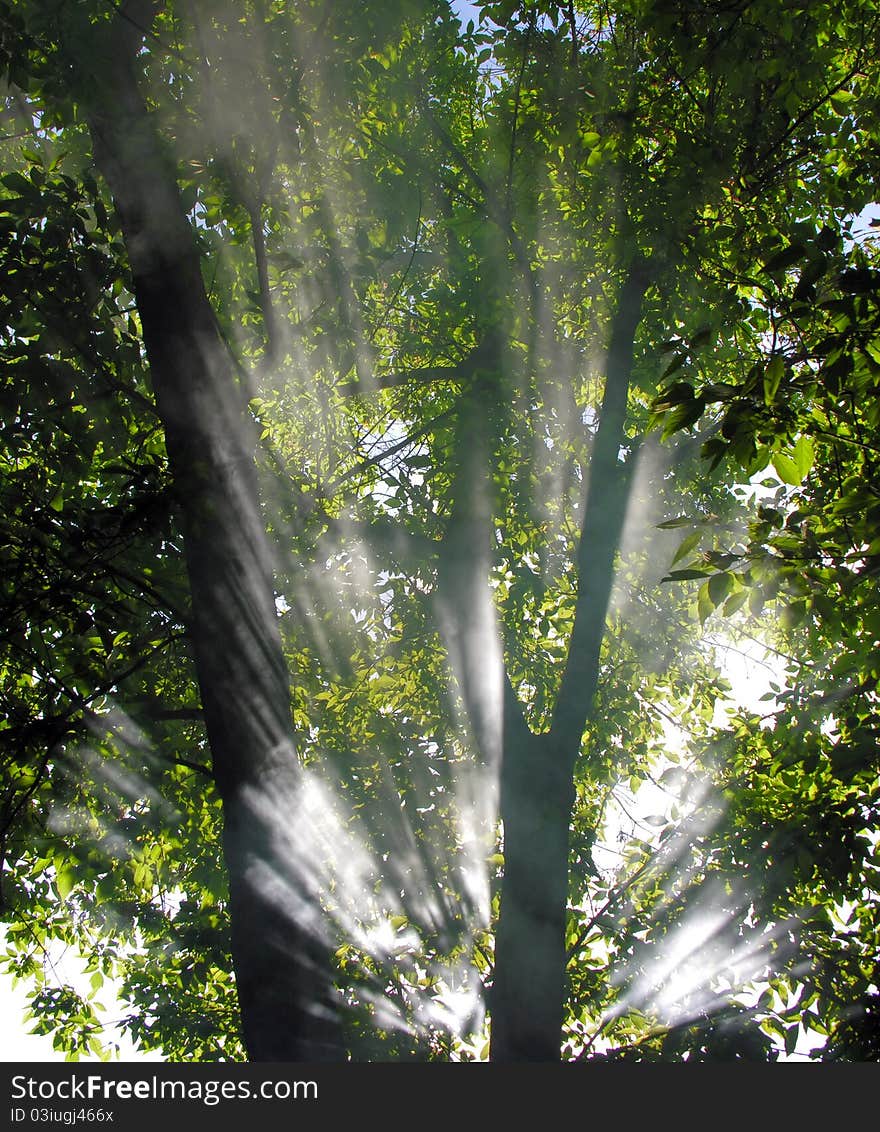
735 602
675 394
705 604
786 468
720 586
674 779
859 280
686 546
17 184
784 259
65 879
803 457
683 416
773 374
792 615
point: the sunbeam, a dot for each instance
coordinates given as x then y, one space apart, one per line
407 414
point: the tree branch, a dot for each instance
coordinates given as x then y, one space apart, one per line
422 376
572 27
400 446
270 321
516 101
604 514
497 212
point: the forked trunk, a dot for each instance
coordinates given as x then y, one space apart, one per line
537 772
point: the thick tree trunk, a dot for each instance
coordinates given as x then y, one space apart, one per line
280 958
528 992
537 775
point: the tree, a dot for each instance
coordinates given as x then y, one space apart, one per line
401 305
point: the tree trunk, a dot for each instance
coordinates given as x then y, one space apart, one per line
280 955
537 771
528 993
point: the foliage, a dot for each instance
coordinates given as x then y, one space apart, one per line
417 238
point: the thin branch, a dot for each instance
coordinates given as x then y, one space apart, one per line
836 437
423 376
808 113
519 78
572 26
101 370
14 810
187 715
616 896
389 307
455 151
270 322
139 15
387 452
498 213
